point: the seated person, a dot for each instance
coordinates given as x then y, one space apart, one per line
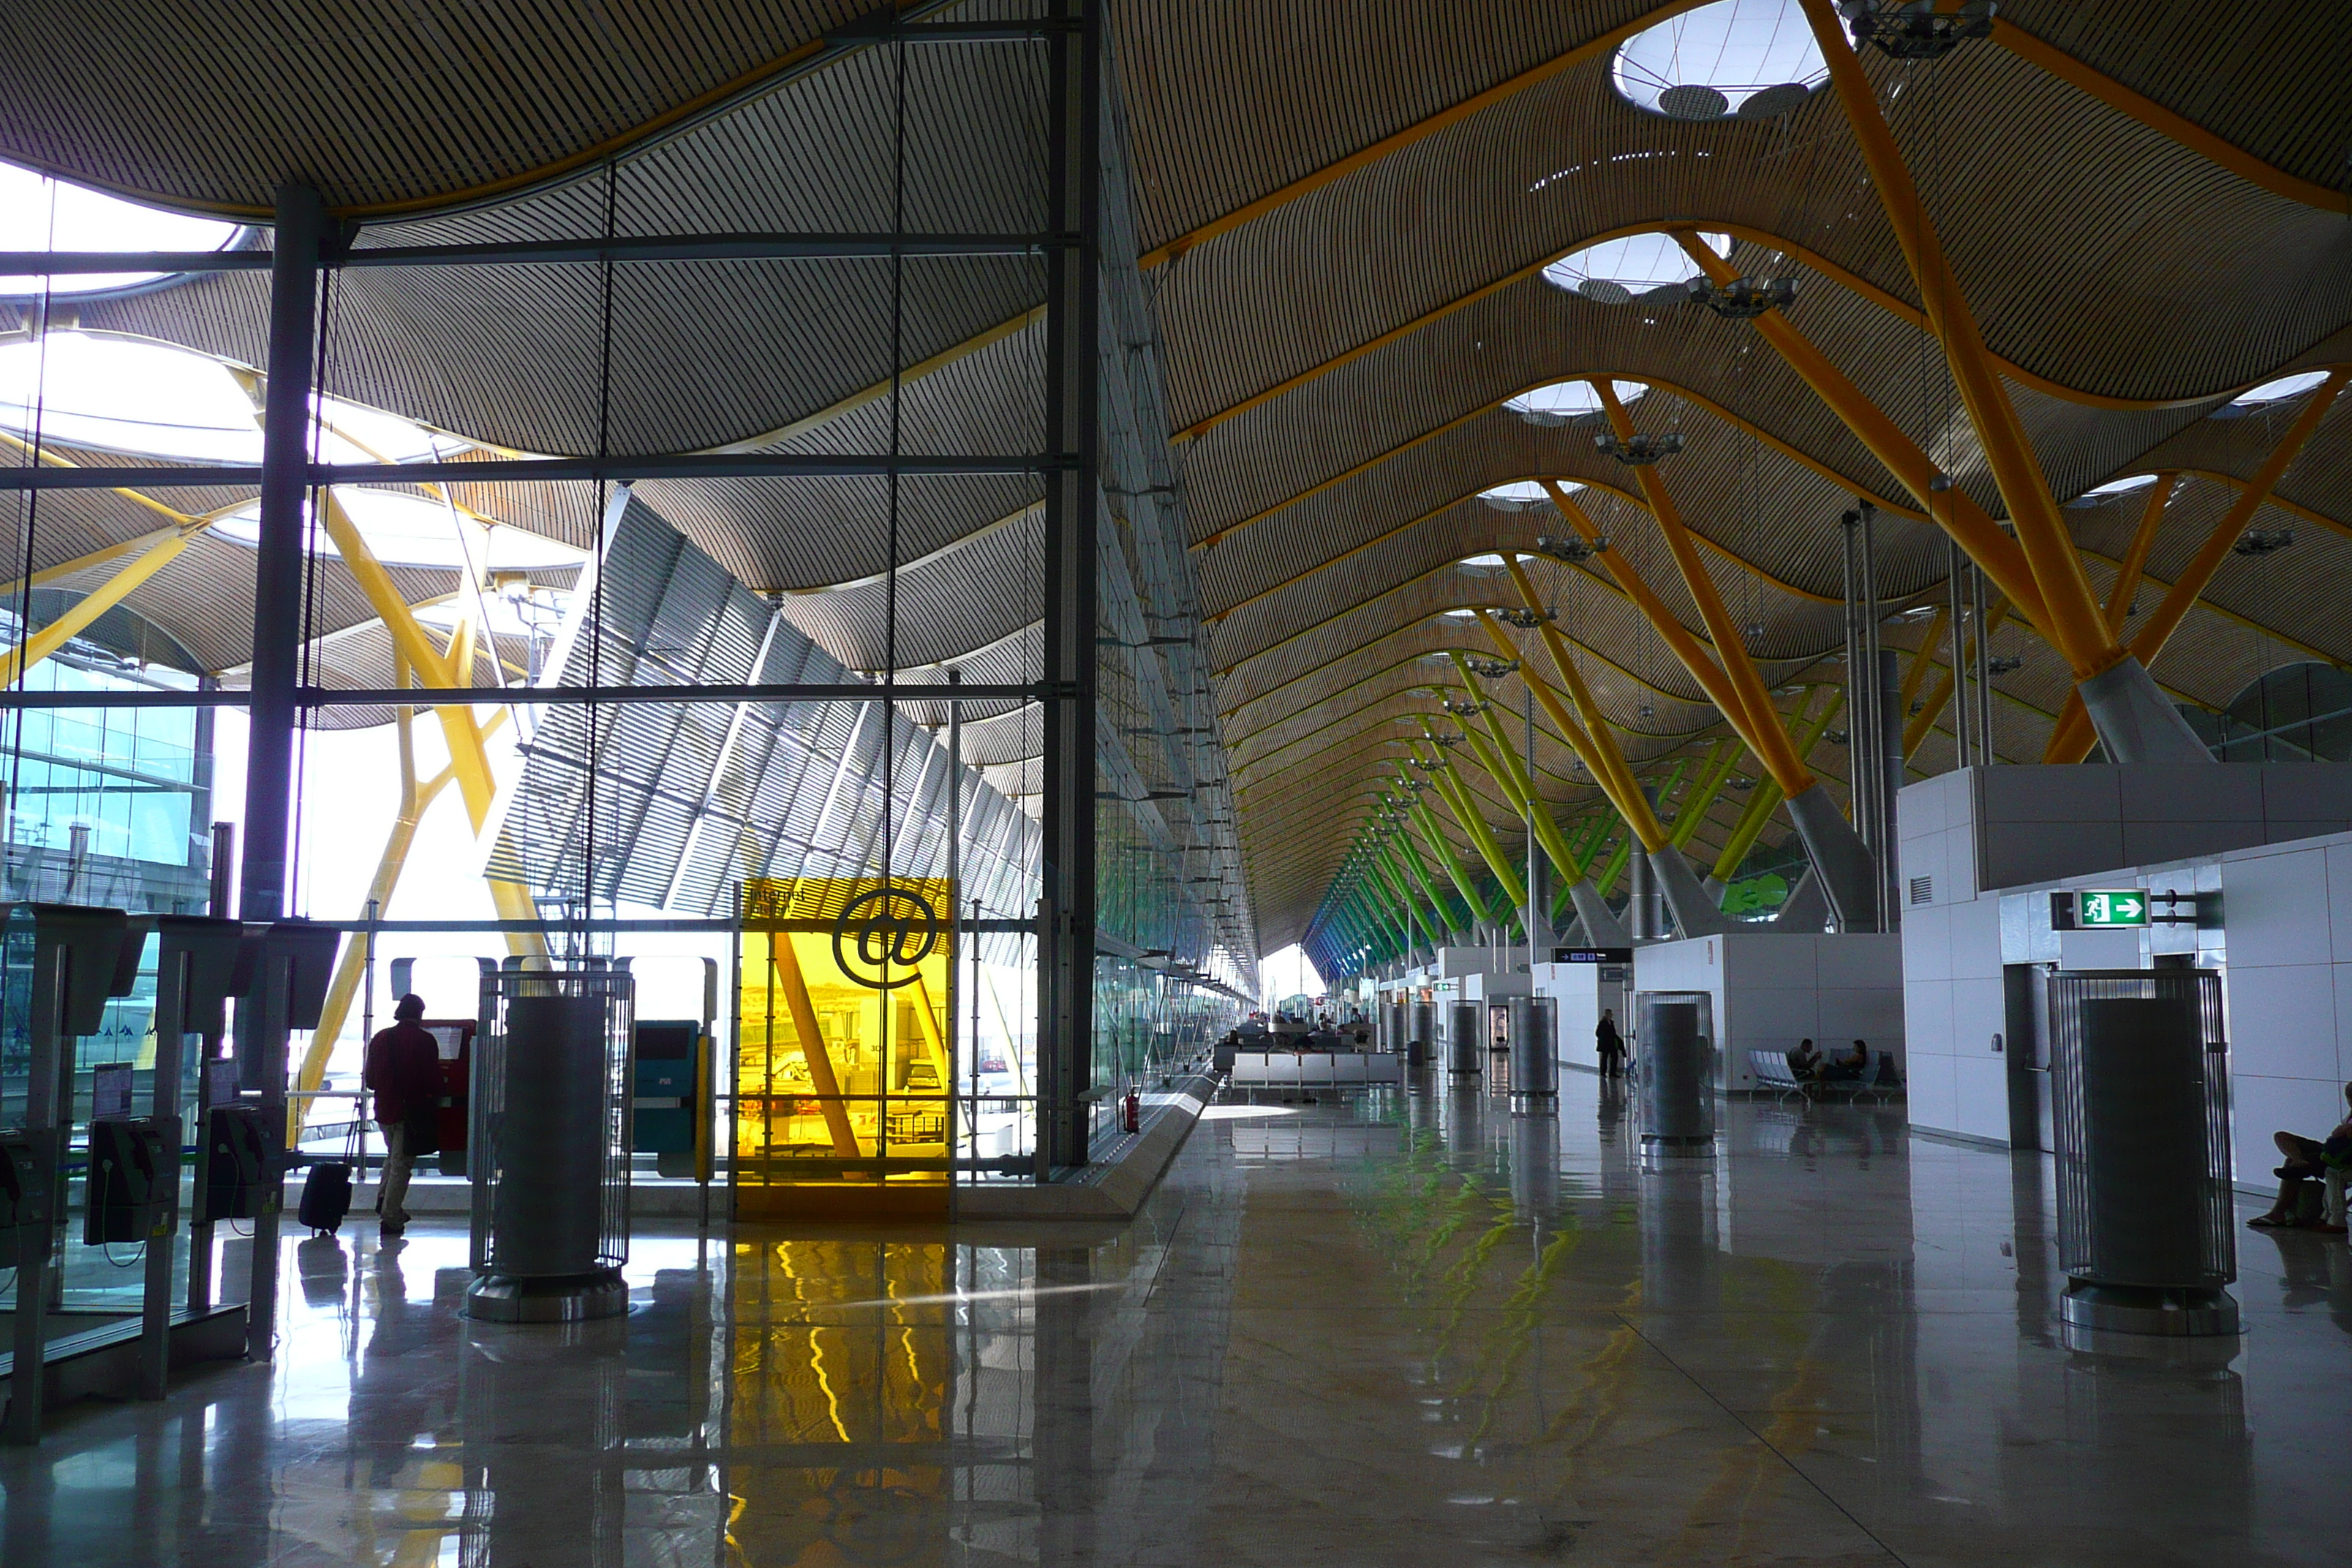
1805 1062
2328 1162
1848 1069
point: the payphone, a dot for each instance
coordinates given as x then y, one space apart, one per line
240 1179
200 962
70 959
131 1179
27 1183
453 1062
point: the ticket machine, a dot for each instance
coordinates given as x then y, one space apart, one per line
670 1087
454 1040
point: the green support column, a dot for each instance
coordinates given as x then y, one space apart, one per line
1510 782
1401 885
1767 798
1464 807
1725 755
1442 849
1410 857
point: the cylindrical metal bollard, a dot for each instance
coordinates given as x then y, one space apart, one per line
548 1147
2146 1215
1677 1106
1466 1044
1535 1056
1421 1031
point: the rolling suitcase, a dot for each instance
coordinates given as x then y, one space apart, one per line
326 1196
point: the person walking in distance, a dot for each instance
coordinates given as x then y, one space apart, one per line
403 1072
1610 1044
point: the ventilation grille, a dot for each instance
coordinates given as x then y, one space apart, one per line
1923 889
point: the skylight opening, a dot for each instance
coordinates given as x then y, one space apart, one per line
1565 400
410 531
37 213
122 394
2099 495
2279 390
1522 495
1755 59
1615 271
534 616
130 395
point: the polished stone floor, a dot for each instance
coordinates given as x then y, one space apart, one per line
1397 1330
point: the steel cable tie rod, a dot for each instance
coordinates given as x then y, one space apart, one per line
529 470
651 247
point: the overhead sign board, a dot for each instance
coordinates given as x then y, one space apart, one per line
2109 908
1592 955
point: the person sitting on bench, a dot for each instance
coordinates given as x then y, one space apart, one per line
1805 1062
1850 1068
2327 1163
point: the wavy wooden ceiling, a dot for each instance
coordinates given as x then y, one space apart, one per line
1345 302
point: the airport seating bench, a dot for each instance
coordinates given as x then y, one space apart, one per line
1303 1069
1772 1072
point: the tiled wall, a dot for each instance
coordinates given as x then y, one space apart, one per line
2286 896
1772 989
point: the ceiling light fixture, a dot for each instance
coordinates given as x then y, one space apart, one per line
1917 29
1742 298
1573 549
1640 451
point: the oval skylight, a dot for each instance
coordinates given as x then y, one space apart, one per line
1613 272
2279 390
143 398
1519 495
2099 495
122 394
37 213
410 531
1565 400
1753 58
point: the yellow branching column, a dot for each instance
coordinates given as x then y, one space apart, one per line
468 757
2119 694
1693 911
2070 742
1847 872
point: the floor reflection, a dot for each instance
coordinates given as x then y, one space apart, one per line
1400 1326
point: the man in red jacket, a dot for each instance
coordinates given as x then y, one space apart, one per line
403 1073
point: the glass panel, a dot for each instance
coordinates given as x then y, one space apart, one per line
844 1076
104 1281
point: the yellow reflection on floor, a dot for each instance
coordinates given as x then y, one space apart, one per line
840 1385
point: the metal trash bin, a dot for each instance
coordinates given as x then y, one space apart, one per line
1466 1043
550 1147
1422 1030
1676 1070
2140 1114
1534 1052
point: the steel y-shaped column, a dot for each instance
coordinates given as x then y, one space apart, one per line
2120 696
2072 740
1848 873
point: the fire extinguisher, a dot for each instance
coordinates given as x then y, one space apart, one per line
1131 1111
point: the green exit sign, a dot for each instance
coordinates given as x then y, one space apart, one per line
2104 909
